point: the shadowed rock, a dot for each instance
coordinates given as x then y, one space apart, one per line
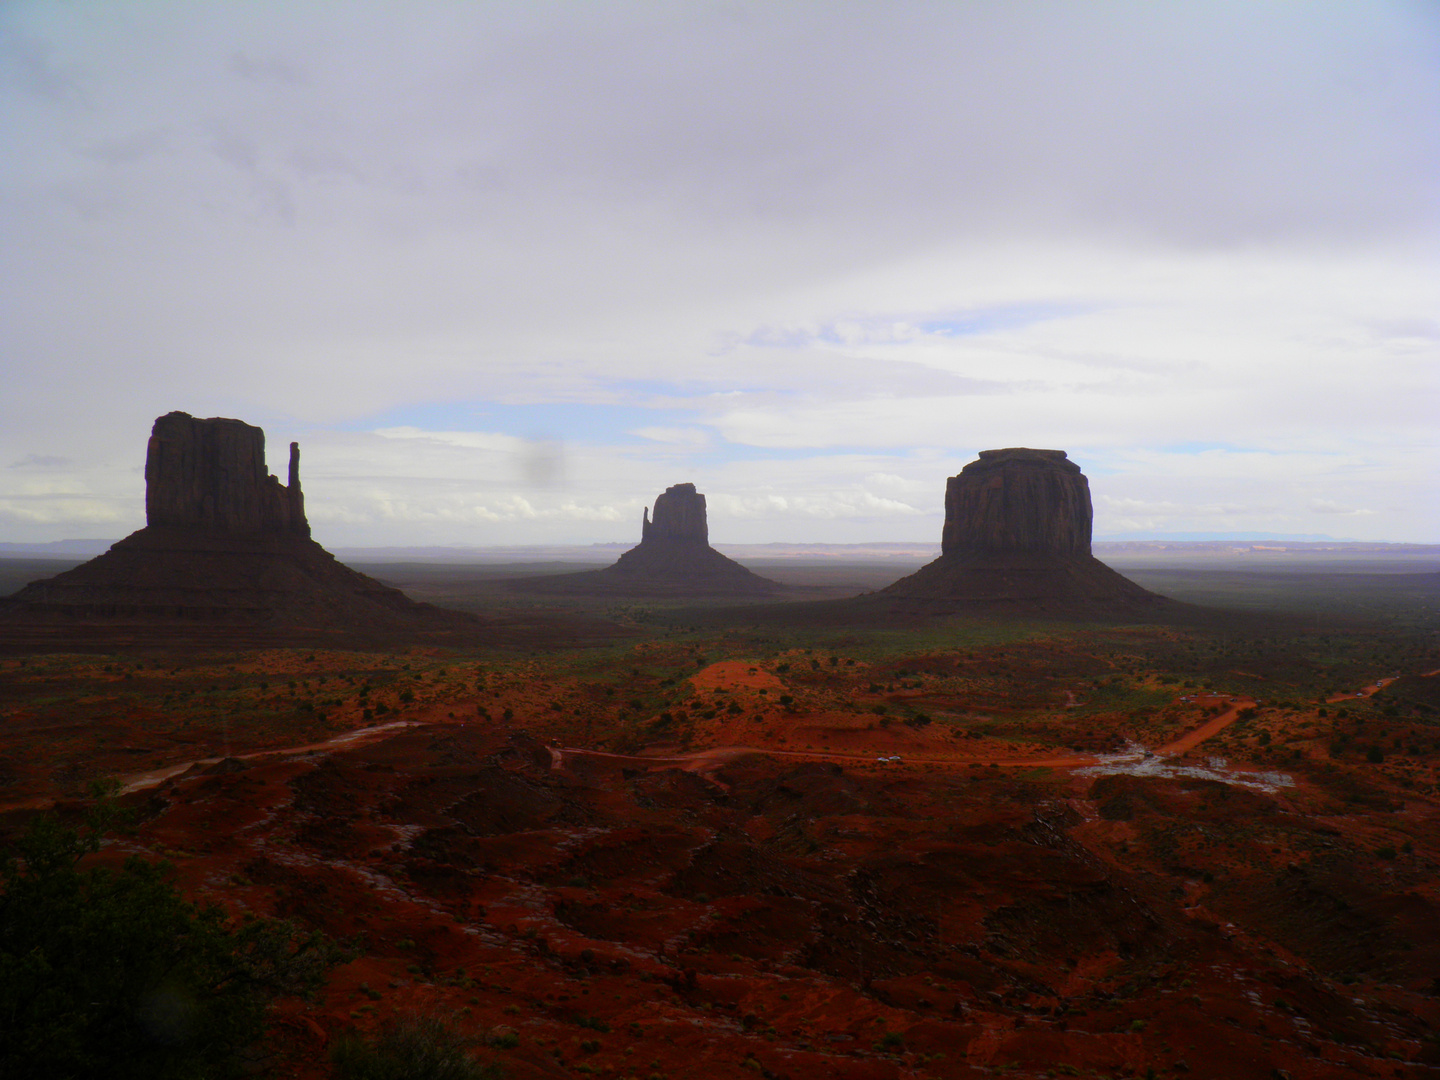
679 518
225 542
1017 532
1018 500
210 475
673 558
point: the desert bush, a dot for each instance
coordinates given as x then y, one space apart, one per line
113 973
409 1048
891 1041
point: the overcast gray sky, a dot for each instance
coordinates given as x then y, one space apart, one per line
506 271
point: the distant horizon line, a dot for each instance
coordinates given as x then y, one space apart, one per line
97 546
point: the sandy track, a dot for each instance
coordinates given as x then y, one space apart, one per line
705 760
1192 739
714 757
358 737
156 777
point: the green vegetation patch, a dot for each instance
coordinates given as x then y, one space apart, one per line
410 1048
113 973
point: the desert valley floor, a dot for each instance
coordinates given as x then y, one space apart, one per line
716 841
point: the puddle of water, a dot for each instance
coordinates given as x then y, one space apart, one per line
1136 761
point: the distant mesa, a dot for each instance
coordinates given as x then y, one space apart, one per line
673 558
225 543
1017 533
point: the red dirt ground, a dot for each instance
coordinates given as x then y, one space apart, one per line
770 900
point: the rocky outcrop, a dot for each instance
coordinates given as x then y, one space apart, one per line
1017 534
1018 500
225 543
210 475
673 558
679 517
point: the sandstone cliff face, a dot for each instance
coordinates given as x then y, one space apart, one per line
210 475
679 516
1018 500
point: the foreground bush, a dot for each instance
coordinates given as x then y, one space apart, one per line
114 974
410 1048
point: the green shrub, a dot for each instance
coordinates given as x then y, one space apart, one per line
113 973
409 1048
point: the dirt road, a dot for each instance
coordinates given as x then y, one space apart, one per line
715 756
702 761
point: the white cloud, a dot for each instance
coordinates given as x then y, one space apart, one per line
1193 245
469 440
691 437
51 511
1325 506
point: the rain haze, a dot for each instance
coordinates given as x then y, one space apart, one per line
506 271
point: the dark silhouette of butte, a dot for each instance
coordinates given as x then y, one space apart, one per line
673 558
224 543
1017 535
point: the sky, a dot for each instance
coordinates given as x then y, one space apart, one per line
508 270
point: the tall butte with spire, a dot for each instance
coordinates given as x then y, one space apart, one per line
673 558
1017 534
224 542
209 476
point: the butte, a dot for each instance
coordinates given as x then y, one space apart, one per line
1017 537
673 558
226 551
